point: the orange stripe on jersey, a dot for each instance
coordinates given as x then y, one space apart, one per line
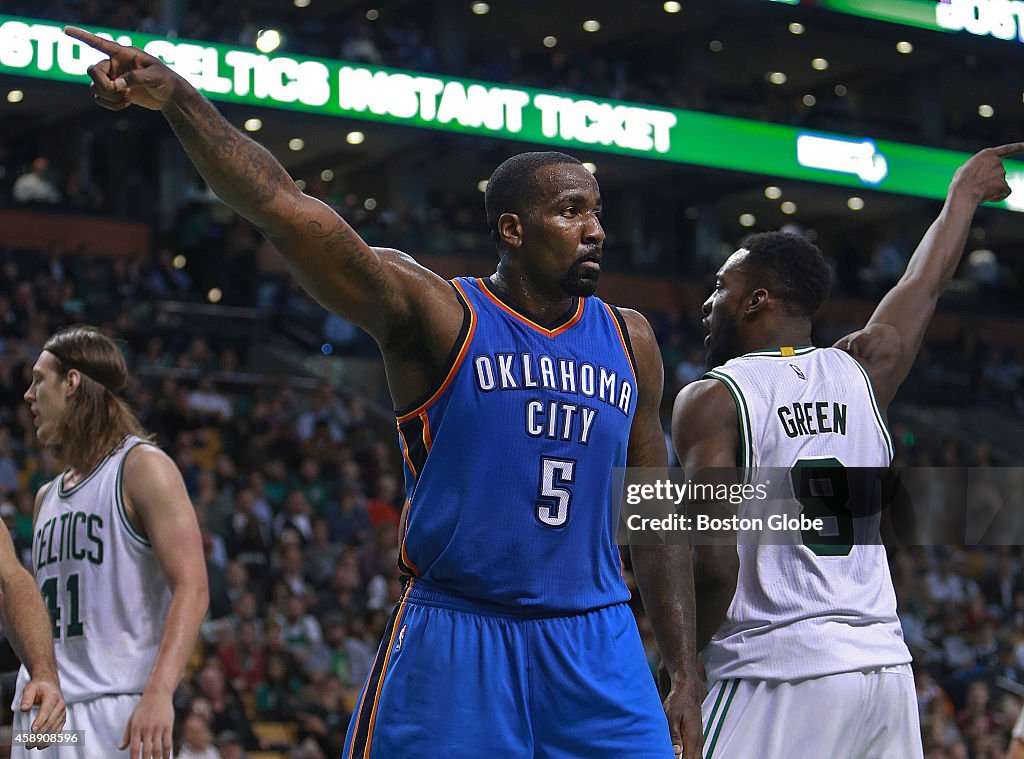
405 534
384 671
405 452
463 349
622 340
427 440
574 319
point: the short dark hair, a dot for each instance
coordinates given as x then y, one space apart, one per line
514 184
792 266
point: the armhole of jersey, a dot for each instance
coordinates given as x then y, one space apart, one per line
415 440
37 506
746 457
455 357
879 419
119 506
627 346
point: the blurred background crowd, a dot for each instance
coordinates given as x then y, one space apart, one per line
273 409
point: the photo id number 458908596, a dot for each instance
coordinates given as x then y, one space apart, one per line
64 737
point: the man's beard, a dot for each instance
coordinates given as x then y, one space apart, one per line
574 282
723 345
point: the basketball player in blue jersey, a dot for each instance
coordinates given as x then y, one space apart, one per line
516 395
804 652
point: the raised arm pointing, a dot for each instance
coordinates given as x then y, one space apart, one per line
889 343
382 290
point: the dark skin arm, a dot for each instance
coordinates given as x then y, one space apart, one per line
888 344
705 433
412 313
664 573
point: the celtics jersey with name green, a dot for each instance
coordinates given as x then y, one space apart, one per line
809 601
101 582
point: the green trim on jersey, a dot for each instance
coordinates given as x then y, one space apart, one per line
798 350
122 512
714 709
62 493
743 412
721 720
878 414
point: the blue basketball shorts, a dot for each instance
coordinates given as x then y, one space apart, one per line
456 678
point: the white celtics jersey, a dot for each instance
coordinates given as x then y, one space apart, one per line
822 602
101 581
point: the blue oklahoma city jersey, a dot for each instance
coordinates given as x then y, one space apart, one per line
509 464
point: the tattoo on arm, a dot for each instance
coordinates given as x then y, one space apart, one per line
238 169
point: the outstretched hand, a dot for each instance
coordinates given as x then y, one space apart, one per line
129 76
984 176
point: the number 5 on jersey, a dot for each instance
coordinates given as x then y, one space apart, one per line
552 508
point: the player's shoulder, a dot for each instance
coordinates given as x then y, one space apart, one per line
643 345
875 347
145 459
635 321
707 397
398 260
638 329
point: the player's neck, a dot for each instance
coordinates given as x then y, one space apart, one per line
779 336
74 475
528 299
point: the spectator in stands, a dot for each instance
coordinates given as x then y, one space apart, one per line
196 739
35 185
312 485
324 718
242 657
207 404
278 695
384 507
344 594
324 406
248 537
301 630
350 524
226 710
321 554
947 583
230 746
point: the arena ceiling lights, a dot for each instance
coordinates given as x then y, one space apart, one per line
34 48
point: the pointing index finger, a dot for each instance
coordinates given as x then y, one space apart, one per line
1008 149
92 40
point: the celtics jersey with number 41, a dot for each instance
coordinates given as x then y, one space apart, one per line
101 582
816 602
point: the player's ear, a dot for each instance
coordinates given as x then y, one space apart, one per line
757 302
72 380
510 229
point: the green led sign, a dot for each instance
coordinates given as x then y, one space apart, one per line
314 85
1002 19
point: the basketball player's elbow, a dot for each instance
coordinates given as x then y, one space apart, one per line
192 588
